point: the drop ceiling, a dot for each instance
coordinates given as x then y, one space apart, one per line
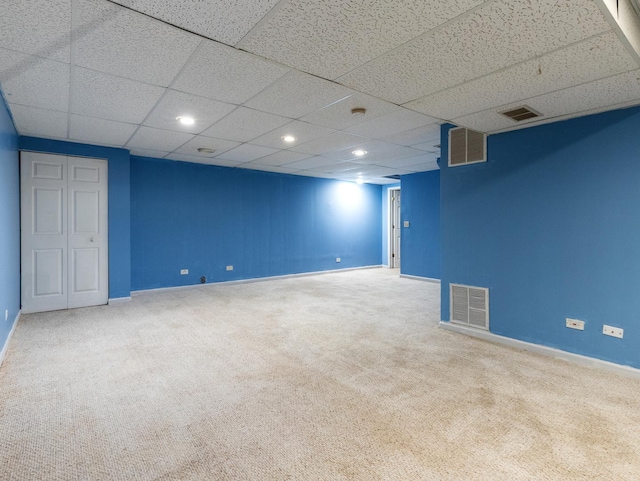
118 73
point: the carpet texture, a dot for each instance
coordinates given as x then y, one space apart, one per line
340 376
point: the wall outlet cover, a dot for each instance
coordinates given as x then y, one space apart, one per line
406 223
575 324
229 268
613 331
184 271
338 259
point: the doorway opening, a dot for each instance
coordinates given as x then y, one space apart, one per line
394 228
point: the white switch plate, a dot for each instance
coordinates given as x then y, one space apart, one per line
229 268
406 223
184 271
337 259
575 324
612 331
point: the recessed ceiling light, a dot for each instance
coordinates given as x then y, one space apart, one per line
359 152
288 138
186 120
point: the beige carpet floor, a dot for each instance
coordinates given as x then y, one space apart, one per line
341 376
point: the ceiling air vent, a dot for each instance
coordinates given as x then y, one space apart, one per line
521 113
466 147
394 176
469 305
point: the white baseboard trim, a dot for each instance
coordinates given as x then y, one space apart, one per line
255 279
5 348
118 300
420 278
544 350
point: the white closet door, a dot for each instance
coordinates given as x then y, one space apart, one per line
87 241
63 232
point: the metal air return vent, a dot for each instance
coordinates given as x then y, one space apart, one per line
521 113
469 305
466 147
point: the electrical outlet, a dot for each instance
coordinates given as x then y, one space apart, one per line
229 268
337 259
184 271
575 324
612 331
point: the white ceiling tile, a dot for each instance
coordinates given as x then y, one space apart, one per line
156 139
388 156
247 153
311 163
611 91
393 123
318 175
34 81
423 167
416 136
282 157
337 167
267 168
428 146
223 73
202 160
156 154
245 124
39 122
373 147
99 131
297 94
585 61
302 131
224 20
338 115
96 94
405 161
329 143
174 104
332 37
200 141
37 27
499 34
121 42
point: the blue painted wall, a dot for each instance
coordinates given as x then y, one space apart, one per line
385 221
9 223
420 205
203 218
551 225
119 204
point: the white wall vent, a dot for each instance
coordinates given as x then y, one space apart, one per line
466 147
469 305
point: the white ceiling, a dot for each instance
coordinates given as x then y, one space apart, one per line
118 73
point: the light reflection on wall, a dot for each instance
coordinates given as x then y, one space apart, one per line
349 196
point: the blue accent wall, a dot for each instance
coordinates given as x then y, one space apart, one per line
385 221
9 223
420 242
203 218
551 225
119 204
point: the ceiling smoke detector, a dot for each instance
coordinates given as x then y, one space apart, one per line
206 150
358 111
